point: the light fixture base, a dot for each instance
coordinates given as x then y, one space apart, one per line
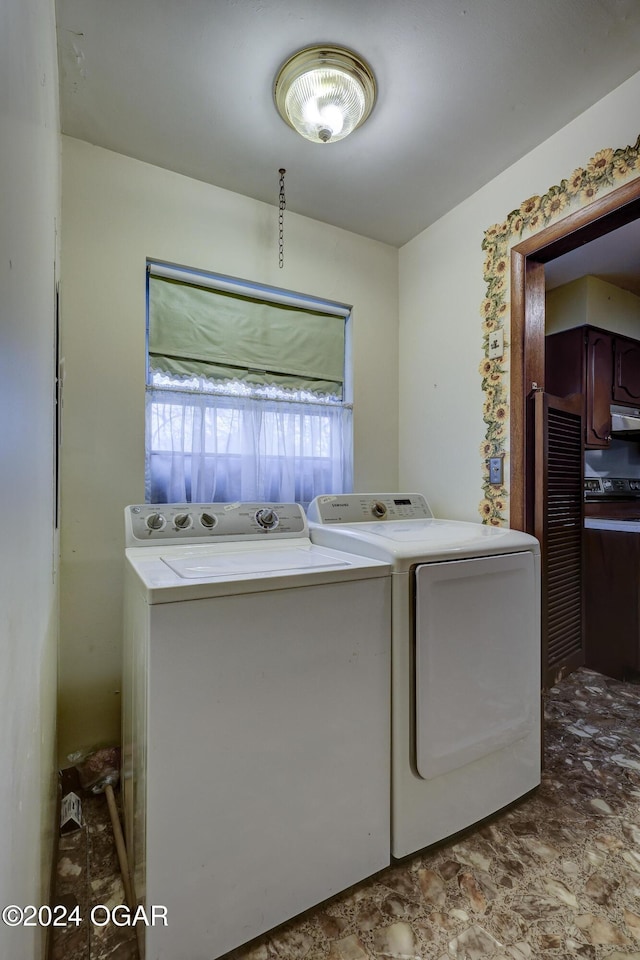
324 92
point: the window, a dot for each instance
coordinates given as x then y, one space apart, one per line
246 396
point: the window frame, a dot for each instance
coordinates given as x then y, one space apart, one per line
215 281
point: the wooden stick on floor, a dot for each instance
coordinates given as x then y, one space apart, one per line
123 860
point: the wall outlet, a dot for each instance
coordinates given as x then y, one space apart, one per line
496 344
496 469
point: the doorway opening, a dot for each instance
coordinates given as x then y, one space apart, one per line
617 208
534 500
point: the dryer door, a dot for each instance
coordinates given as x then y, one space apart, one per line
477 658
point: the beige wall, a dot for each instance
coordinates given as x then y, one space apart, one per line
566 306
594 301
29 204
441 290
116 213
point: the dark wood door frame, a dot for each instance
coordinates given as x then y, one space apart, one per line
617 208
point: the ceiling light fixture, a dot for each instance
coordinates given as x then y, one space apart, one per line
324 92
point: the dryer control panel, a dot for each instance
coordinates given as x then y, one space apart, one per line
163 523
366 507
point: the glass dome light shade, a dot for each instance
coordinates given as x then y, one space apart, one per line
324 93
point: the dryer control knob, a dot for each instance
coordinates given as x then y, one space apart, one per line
182 521
208 520
155 521
378 509
267 518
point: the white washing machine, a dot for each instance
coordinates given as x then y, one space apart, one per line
465 658
255 720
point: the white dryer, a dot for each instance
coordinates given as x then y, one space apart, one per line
465 658
255 720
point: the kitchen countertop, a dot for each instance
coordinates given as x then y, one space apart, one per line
606 523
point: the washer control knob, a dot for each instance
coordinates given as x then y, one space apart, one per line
378 509
155 521
267 518
182 521
208 520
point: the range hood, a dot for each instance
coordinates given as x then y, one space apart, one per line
625 422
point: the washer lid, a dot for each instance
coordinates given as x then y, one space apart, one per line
191 572
251 562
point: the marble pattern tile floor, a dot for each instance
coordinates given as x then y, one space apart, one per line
555 877
88 874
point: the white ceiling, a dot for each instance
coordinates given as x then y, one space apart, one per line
614 257
465 88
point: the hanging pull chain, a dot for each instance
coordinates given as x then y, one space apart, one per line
283 205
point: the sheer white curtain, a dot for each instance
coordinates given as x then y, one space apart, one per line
215 447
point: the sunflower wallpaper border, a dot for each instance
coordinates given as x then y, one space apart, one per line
606 169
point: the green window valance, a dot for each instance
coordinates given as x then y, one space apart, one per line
199 331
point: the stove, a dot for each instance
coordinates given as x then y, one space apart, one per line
597 489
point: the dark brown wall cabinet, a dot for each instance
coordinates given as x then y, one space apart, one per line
626 383
603 366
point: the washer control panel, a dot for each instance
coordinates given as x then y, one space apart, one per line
368 507
197 522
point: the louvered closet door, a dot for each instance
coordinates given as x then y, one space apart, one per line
558 517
